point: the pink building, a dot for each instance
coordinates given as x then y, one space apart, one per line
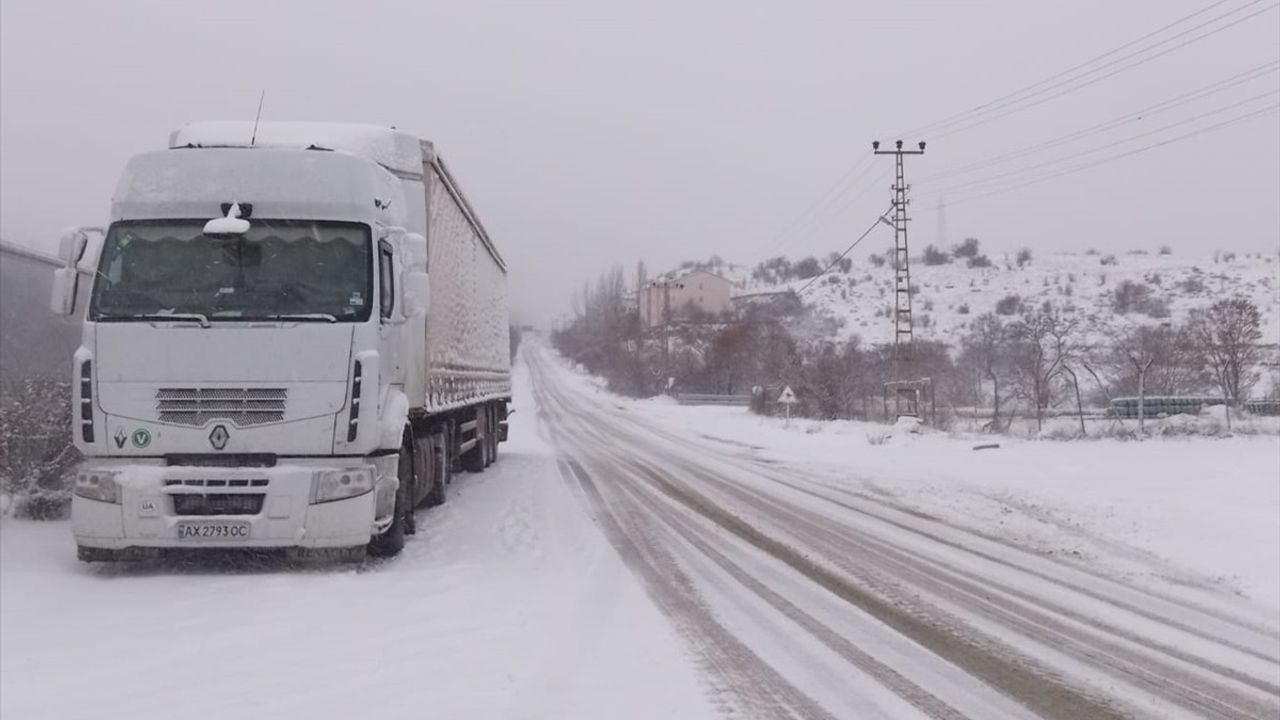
672 299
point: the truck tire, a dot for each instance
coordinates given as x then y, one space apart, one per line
441 468
473 460
93 554
391 542
490 448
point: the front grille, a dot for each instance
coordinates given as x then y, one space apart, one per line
241 406
237 482
217 504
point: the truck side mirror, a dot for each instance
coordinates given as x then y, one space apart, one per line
72 245
415 294
62 298
66 279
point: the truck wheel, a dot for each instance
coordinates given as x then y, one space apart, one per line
493 434
473 459
440 470
489 453
93 554
391 542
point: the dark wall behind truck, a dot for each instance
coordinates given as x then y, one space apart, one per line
33 341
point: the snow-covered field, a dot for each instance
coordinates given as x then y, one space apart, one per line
507 604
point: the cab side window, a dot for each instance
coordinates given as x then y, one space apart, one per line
386 280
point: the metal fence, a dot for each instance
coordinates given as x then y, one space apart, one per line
709 399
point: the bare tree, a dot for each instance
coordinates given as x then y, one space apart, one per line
985 351
1228 332
1042 343
1160 359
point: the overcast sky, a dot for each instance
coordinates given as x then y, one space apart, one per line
589 133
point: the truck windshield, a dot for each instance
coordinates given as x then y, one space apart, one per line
280 269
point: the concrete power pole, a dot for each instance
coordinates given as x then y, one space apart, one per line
902 335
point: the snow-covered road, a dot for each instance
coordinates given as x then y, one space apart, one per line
804 597
616 564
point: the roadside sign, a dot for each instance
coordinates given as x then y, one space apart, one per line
787 398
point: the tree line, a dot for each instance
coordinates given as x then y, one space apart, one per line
1037 363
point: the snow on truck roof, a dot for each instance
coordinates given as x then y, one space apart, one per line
393 149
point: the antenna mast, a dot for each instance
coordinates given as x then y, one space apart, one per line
254 138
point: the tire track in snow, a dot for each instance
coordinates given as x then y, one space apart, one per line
611 440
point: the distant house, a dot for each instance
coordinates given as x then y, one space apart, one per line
672 298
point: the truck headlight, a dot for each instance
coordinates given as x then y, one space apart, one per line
98 485
331 485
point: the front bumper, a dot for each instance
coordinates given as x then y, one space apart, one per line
146 516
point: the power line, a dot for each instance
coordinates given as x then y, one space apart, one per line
832 211
1136 115
1100 148
879 219
1096 80
824 199
1145 148
1061 79
1021 94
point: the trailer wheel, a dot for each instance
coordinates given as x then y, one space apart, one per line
440 468
391 542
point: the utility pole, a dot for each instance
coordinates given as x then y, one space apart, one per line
908 393
902 335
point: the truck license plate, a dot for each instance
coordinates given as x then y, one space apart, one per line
220 530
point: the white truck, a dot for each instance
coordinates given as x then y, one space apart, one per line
293 335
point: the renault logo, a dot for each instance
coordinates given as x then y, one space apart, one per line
219 437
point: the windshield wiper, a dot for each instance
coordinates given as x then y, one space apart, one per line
314 317
179 317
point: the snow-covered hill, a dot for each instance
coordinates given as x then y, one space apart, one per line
948 297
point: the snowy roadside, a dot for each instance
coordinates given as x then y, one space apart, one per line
509 603
1185 514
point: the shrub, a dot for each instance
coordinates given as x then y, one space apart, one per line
963 309
934 256
807 268
1166 250
1130 297
967 249
1108 260
36 453
1191 286
1009 305
979 261
876 259
1023 257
